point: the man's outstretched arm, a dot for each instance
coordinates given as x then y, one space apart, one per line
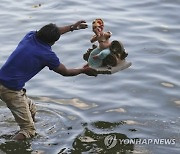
61 69
78 25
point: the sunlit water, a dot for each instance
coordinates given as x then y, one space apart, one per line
75 114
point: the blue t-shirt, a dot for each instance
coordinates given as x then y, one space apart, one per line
29 58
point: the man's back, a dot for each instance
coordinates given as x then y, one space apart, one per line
30 57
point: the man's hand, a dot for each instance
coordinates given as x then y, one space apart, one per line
90 71
80 25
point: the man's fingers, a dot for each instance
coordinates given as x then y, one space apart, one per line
82 21
80 25
83 26
90 71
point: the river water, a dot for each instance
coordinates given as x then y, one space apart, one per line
77 114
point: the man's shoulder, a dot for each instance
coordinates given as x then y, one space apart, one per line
30 34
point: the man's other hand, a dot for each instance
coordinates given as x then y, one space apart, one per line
80 25
90 71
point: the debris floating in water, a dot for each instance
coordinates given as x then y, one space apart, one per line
36 6
177 102
170 85
116 110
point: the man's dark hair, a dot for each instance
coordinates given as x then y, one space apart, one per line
48 33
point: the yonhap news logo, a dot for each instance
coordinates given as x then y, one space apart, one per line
111 141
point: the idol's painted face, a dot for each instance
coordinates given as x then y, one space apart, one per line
97 29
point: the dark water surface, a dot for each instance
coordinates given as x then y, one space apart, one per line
77 114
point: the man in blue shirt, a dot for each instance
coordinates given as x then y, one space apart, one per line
32 54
